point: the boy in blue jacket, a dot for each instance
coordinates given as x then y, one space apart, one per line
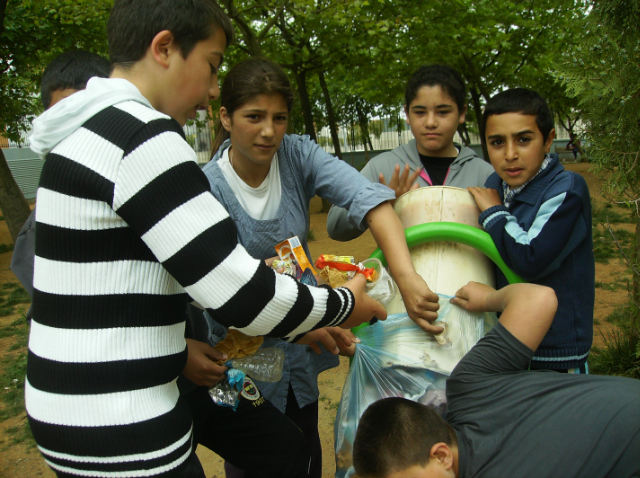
539 216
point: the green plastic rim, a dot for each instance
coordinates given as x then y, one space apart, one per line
452 232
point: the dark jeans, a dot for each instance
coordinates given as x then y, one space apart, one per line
256 437
306 419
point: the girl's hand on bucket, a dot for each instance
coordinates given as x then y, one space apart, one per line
421 303
365 308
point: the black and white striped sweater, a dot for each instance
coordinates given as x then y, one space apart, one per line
127 230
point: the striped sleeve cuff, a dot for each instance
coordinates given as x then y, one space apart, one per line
492 215
347 304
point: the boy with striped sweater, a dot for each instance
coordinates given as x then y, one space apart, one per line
128 232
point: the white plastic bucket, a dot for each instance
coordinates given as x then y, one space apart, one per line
445 266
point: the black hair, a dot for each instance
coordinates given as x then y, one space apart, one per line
246 80
134 23
443 76
71 69
395 434
523 101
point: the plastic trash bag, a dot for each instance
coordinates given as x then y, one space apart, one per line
398 359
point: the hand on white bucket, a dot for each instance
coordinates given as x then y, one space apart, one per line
421 303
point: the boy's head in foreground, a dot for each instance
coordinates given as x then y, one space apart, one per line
170 50
68 73
519 131
400 438
435 106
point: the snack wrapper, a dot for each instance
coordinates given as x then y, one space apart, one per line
226 393
334 276
296 262
238 345
346 264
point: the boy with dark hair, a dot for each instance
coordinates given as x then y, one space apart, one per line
128 232
502 419
68 73
435 106
65 75
539 216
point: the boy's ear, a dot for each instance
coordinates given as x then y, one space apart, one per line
406 113
225 119
463 115
163 47
549 141
442 454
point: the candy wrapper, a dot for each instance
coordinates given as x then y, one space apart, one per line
226 392
295 262
336 270
237 345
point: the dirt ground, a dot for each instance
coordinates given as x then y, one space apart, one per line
22 460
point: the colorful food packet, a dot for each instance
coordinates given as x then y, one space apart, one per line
347 266
296 261
238 345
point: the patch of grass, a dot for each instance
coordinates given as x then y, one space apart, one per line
12 294
311 235
6 248
596 322
620 317
615 214
610 285
604 247
618 356
12 381
21 434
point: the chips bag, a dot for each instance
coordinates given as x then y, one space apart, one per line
238 345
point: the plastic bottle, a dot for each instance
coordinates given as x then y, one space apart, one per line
265 365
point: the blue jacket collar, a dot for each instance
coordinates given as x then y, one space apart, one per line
532 192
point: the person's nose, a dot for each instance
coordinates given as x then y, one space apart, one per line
214 90
431 121
510 151
267 129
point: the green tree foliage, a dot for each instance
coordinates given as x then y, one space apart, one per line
603 74
32 33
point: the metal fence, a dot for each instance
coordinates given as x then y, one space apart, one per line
384 135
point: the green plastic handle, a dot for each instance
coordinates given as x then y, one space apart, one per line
452 232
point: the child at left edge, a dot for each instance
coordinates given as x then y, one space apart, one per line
539 217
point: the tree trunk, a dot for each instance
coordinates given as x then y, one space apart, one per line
635 256
477 108
464 134
3 8
330 116
305 104
14 206
363 121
